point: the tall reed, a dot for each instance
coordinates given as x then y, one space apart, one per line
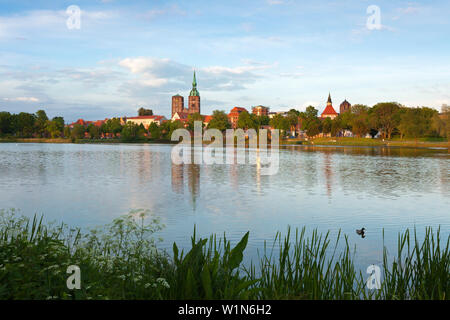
121 261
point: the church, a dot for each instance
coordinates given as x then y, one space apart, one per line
329 111
179 112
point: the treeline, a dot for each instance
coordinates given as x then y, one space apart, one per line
388 119
27 125
113 128
385 119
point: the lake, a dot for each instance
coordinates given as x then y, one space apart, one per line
328 188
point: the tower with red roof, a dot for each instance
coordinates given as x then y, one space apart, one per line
329 111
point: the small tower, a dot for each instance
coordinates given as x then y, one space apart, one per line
345 106
194 98
329 111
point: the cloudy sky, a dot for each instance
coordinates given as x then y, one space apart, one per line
279 53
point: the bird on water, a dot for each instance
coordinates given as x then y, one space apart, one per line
361 232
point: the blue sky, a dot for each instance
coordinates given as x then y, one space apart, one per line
279 53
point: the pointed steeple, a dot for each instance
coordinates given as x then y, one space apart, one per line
194 91
329 98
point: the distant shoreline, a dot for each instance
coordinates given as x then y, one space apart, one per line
349 142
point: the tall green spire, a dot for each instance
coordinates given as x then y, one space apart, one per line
194 91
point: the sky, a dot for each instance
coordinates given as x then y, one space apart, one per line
278 53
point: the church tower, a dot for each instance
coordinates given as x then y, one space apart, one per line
329 111
177 104
194 98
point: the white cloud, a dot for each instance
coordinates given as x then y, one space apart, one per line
22 99
275 2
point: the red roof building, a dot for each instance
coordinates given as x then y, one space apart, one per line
329 111
233 116
85 123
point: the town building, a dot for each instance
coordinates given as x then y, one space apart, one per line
260 111
329 111
84 123
233 116
273 114
193 101
146 121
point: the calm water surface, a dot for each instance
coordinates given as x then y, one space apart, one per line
328 188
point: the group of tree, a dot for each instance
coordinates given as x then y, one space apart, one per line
386 118
27 125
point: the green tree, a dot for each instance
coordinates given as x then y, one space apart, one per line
310 123
154 130
314 127
279 122
386 116
262 120
327 125
66 132
6 126
416 122
94 131
24 124
131 132
59 121
41 122
293 118
113 126
360 120
168 127
192 118
246 121
219 120
78 131
52 129
335 127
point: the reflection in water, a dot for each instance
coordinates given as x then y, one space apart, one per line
178 178
192 171
328 173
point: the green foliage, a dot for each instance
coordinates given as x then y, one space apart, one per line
279 122
192 118
207 273
78 131
327 125
94 131
117 261
247 121
154 130
121 261
112 126
168 127
132 132
386 117
416 122
23 124
6 126
310 122
219 121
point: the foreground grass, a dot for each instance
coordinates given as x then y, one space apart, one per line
121 261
